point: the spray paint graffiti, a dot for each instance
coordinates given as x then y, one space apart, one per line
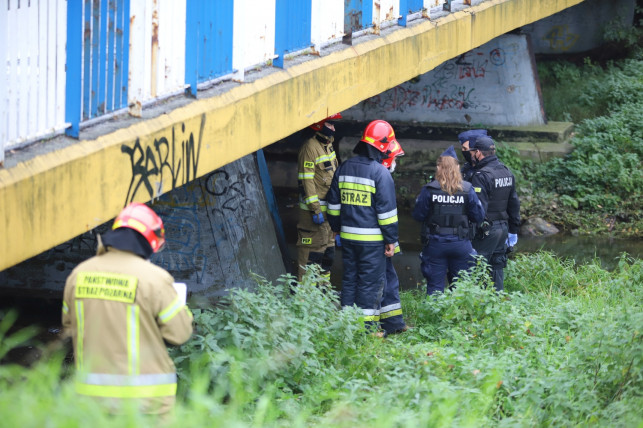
164 159
491 85
450 86
560 38
233 208
185 254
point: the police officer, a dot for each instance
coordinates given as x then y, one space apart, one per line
467 138
495 185
316 166
363 210
446 206
120 309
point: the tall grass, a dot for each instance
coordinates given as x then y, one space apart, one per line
562 347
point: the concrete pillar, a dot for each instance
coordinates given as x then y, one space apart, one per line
219 233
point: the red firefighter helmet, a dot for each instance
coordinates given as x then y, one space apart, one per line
396 150
142 219
319 125
379 134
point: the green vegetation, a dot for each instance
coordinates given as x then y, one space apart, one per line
562 348
597 187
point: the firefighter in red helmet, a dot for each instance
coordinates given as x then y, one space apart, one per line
363 211
316 165
119 310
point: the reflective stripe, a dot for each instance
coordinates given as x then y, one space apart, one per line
125 380
357 186
306 175
372 318
358 180
361 233
387 218
362 230
325 158
323 206
334 212
383 216
387 221
391 310
126 391
311 199
390 314
80 333
168 313
371 311
123 386
133 350
65 308
335 207
364 238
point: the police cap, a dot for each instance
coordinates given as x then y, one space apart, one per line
482 143
450 152
466 135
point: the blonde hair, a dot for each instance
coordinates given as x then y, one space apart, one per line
448 175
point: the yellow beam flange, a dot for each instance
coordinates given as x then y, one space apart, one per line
57 196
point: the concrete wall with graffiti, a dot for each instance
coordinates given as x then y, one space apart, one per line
494 84
219 235
581 27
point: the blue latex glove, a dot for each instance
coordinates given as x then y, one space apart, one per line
338 241
512 239
318 218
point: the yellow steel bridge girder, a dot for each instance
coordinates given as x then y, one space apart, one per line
56 196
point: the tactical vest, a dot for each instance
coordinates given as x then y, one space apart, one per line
448 212
501 183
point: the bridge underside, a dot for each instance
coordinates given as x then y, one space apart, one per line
52 196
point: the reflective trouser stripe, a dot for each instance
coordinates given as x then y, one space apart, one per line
371 314
390 314
126 391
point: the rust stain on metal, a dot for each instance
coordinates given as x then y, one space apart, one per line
132 19
390 15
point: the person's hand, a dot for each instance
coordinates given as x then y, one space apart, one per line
318 218
512 239
389 250
338 241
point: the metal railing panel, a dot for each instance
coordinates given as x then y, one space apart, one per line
327 22
31 37
292 27
208 40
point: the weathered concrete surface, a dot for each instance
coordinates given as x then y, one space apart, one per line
579 28
219 234
51 198
494 84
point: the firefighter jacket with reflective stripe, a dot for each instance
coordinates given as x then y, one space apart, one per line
119 309
316 166
361 202
445 214
495 185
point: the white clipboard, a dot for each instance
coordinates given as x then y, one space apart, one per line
181 290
